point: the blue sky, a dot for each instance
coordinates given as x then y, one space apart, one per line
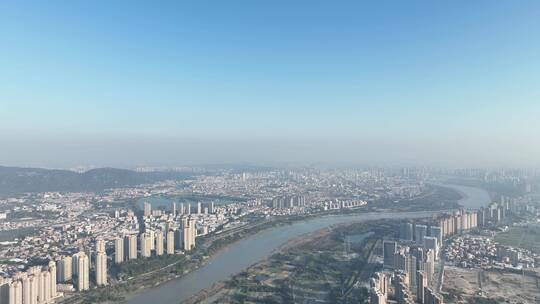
258 76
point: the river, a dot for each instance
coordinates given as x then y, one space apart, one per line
473 198
253 249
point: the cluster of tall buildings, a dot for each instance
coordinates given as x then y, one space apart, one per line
496 212
101 263
81 270
461 221
458 222
343 204
428 236
37 285
76 268
181 209
410 266
156 242
396 285
413 261
282 202
409 259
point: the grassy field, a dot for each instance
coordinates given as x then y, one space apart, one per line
524 237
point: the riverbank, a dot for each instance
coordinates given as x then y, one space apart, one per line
471 197
227 256
217 290
313 266
253 248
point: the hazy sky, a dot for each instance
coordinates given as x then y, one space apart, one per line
126 83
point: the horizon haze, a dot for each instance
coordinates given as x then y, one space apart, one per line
127 84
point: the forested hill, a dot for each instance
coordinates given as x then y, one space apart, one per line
15 180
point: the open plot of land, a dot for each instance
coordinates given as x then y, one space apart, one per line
465 285
524 237
327 266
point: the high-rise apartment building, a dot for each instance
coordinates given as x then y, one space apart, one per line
64 269
421 283
406 231
170 242
100 245
147 209
101 268
101 263
389 251
53 279
82 271
130 247
159 243
420 231
146 245
118 250
189 233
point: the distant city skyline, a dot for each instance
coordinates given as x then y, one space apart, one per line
129 84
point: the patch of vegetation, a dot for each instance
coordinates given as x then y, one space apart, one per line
478 300
318 269
143 265
524 237
104 295
10 235
435 198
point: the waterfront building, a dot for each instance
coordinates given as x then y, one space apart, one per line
130 247
146 245
170 242
118 250
189 233
147 209
159 243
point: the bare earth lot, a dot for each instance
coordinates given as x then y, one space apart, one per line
466 284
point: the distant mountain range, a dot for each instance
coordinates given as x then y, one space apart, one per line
15 180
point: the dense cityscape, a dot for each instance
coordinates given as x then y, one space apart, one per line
76 242
269 152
